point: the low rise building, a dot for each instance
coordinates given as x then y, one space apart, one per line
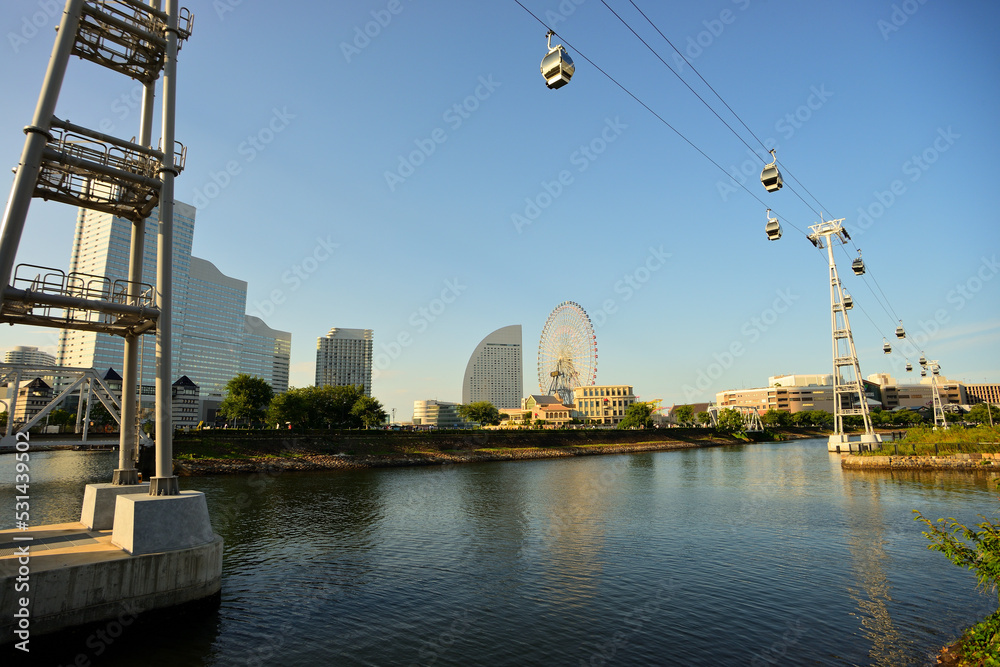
31 398
983 393
184 403
432 413
602 404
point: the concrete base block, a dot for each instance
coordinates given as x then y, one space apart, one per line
151 524
105 588
99 503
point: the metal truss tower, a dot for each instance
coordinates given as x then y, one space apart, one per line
90 169
848 391
939 419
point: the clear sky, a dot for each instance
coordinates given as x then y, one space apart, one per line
371 180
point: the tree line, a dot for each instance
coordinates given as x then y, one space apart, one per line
250 400
980 413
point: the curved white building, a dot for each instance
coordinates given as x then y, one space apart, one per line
494 372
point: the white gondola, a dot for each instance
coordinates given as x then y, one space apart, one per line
858 265
923 360
923 373
900 331
772 228
909 367
886 347
770 177
848 301
557 67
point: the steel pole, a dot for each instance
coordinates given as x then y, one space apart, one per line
164 483
131 374
38 134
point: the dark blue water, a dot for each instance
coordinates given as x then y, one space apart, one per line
764 554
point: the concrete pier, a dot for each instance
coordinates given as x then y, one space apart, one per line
162 552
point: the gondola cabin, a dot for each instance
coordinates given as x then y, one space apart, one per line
770 177
848 301
772 229
858 266
557 67
900 332
909 367
886 347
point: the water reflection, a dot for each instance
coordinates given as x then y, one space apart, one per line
866 541
702 557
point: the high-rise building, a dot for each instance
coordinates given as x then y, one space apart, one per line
494 372
101 249
211 342
266 353
344 358
28 355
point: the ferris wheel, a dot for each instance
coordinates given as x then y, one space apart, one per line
567 352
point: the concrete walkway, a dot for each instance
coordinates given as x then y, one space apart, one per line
56 546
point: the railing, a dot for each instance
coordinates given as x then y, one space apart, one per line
49 297
127 36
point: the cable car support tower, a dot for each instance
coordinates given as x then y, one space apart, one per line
848 392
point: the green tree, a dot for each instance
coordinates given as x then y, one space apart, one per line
803 418
247 398
480 412
369 411
776 418
704 419
906 418
730 421
981 552
99 415
638 415
981 413
60 417
317 407
290 407
684 414
3 419
331 406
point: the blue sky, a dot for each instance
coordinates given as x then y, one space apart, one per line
356 180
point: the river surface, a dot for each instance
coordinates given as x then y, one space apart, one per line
753 555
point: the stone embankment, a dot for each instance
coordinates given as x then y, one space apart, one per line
306 462
968 462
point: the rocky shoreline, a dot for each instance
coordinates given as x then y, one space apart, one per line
320 461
